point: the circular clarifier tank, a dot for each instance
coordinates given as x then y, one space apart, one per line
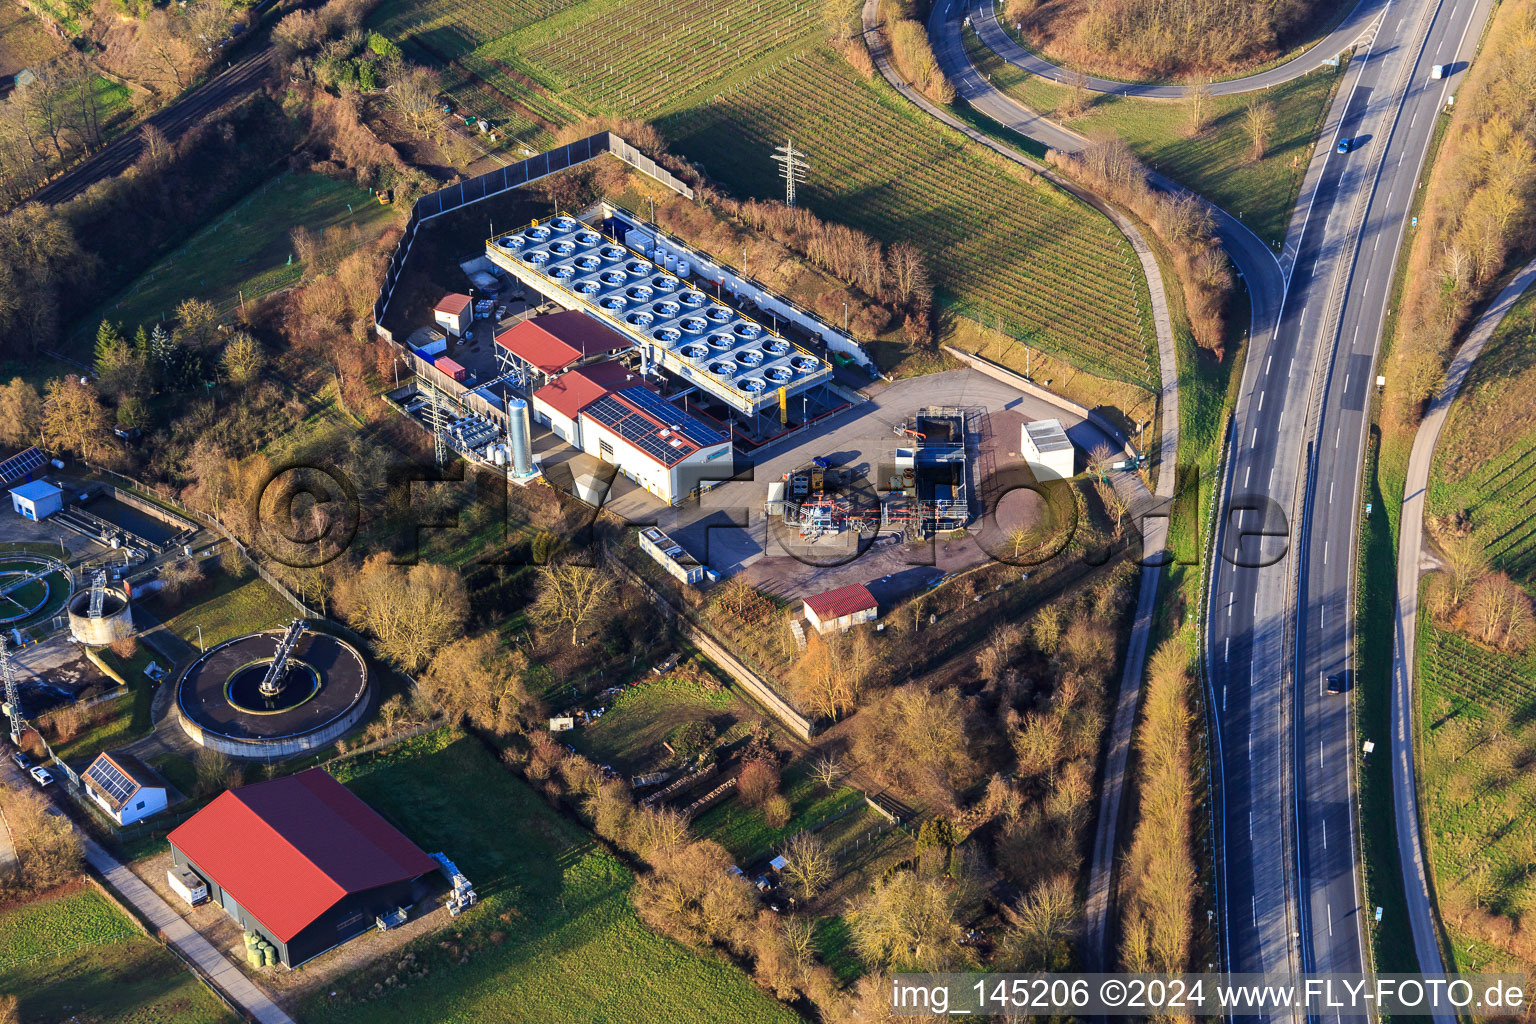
322 694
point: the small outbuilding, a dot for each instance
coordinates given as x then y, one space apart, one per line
454 313
840 609
1047 451
124 787
37 500
669 554
302 862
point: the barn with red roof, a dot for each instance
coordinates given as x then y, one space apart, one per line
301 861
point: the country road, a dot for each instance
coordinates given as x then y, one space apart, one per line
1355 26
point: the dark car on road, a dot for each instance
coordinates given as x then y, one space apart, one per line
1343 146
1336 683
21 760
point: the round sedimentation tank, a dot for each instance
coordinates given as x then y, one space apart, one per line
114 620
274 694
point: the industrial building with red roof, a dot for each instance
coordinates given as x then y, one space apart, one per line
558 341
301 861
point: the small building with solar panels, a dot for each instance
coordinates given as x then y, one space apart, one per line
610 414
124 787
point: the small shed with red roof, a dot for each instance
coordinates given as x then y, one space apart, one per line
841 608
301 861
454 313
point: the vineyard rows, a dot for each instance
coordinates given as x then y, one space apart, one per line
456 27
650 55
1051 270
1464 671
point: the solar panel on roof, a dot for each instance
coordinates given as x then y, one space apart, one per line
22 463
111 779
654 405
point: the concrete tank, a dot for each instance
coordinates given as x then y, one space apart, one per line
519 438
115 622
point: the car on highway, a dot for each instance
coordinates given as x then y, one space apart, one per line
1343 146
1336 683
1437 72
21 760
42 776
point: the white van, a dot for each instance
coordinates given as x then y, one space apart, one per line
1437 72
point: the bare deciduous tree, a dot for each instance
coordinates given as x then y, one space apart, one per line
572 595
808 865
1258 122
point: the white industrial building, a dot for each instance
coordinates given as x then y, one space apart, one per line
607 412
123 787
37 500
669 554
454 313
1047 451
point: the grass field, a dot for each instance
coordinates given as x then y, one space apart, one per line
75 957
24 41
1217 162
554 936
247 249
639 718
749 839
231 606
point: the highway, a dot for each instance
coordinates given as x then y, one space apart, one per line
1279 618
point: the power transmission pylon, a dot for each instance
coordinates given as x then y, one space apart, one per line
792 168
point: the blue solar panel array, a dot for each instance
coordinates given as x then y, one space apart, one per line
111 779
19 465
646 435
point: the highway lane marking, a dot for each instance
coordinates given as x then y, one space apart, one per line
1261 402
1230 598
1325 552
1330 492
1250 751
1325 824
1254 902
1227 651
1336 434
1271 477
1330 920
1247 476
1254 443
1250 825
1346 385
1269 362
